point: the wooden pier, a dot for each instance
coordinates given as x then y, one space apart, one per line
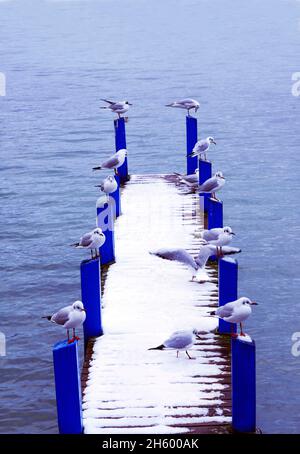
126 388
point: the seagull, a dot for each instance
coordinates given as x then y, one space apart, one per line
114 162
191 179
118 107
196 264
187 104
109 185
213 184
92 240
235 312
201 147
179 340
222 238
70 317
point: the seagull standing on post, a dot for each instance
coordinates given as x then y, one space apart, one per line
70 317
92 240
235 312
213 184
109 185
187 104
114 162
118 107
222 239
201 147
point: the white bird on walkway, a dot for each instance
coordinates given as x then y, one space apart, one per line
187 104
118 107
213 184
190 179
109 185
114 162
92 240
235 312
70 317
197 264
222 237
179 340
202 146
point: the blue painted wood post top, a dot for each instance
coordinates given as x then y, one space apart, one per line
90 271
228 289
120 143
68 388
243 376
205 172
191 139
215 213
106 212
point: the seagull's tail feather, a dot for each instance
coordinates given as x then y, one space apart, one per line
169 105
160 347
212 313
48 317
74 244
97 168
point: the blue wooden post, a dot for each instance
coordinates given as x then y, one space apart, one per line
68 388
228 289
90 271
120 141
105 220
243 385
117 196
204 174
191 139
215 214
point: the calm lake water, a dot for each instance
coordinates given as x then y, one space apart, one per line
60 58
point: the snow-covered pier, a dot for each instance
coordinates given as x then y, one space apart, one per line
134 300
126 387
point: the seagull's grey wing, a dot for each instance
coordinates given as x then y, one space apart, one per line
201 145
185 101
178 340
62 316
211 234
209 185
86 240
226 310
118 105
191 178
204 253
179 255
110 163
108 102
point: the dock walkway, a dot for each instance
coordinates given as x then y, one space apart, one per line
127 388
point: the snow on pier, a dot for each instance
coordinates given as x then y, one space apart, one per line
127 388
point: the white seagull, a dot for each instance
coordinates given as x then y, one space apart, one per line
197 264
109 185
92 240
222 239
70 317
118 107
179 340
190 180
187 104
235 312
202 146
114 162
213 184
